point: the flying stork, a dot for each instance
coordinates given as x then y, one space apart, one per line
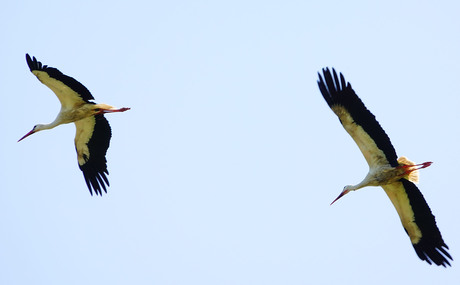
394 175
93 131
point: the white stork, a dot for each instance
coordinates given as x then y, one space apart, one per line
93 133
395 176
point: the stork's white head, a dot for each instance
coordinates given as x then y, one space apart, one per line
36 128
345 191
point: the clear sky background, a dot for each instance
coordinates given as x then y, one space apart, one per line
223 170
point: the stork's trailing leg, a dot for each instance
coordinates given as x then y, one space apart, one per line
422 165
410 169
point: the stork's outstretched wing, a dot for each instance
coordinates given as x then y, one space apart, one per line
69 91
418 221
376 147
357 120
92 140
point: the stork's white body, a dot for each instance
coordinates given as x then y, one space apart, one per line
394 175
93 132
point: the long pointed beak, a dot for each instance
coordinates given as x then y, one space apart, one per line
344 192
28 134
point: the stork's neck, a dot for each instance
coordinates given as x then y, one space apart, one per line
369 180
360 185
41 127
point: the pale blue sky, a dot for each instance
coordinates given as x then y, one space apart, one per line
223 170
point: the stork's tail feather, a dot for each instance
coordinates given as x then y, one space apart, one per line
411 169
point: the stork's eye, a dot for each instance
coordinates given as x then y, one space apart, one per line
97 109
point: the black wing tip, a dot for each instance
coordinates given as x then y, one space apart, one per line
327 72
437 254
96 181
332 85
331 80
34 64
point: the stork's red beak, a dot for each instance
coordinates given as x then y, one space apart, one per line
344 192
28 134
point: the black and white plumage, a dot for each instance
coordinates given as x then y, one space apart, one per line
395 176
93 133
